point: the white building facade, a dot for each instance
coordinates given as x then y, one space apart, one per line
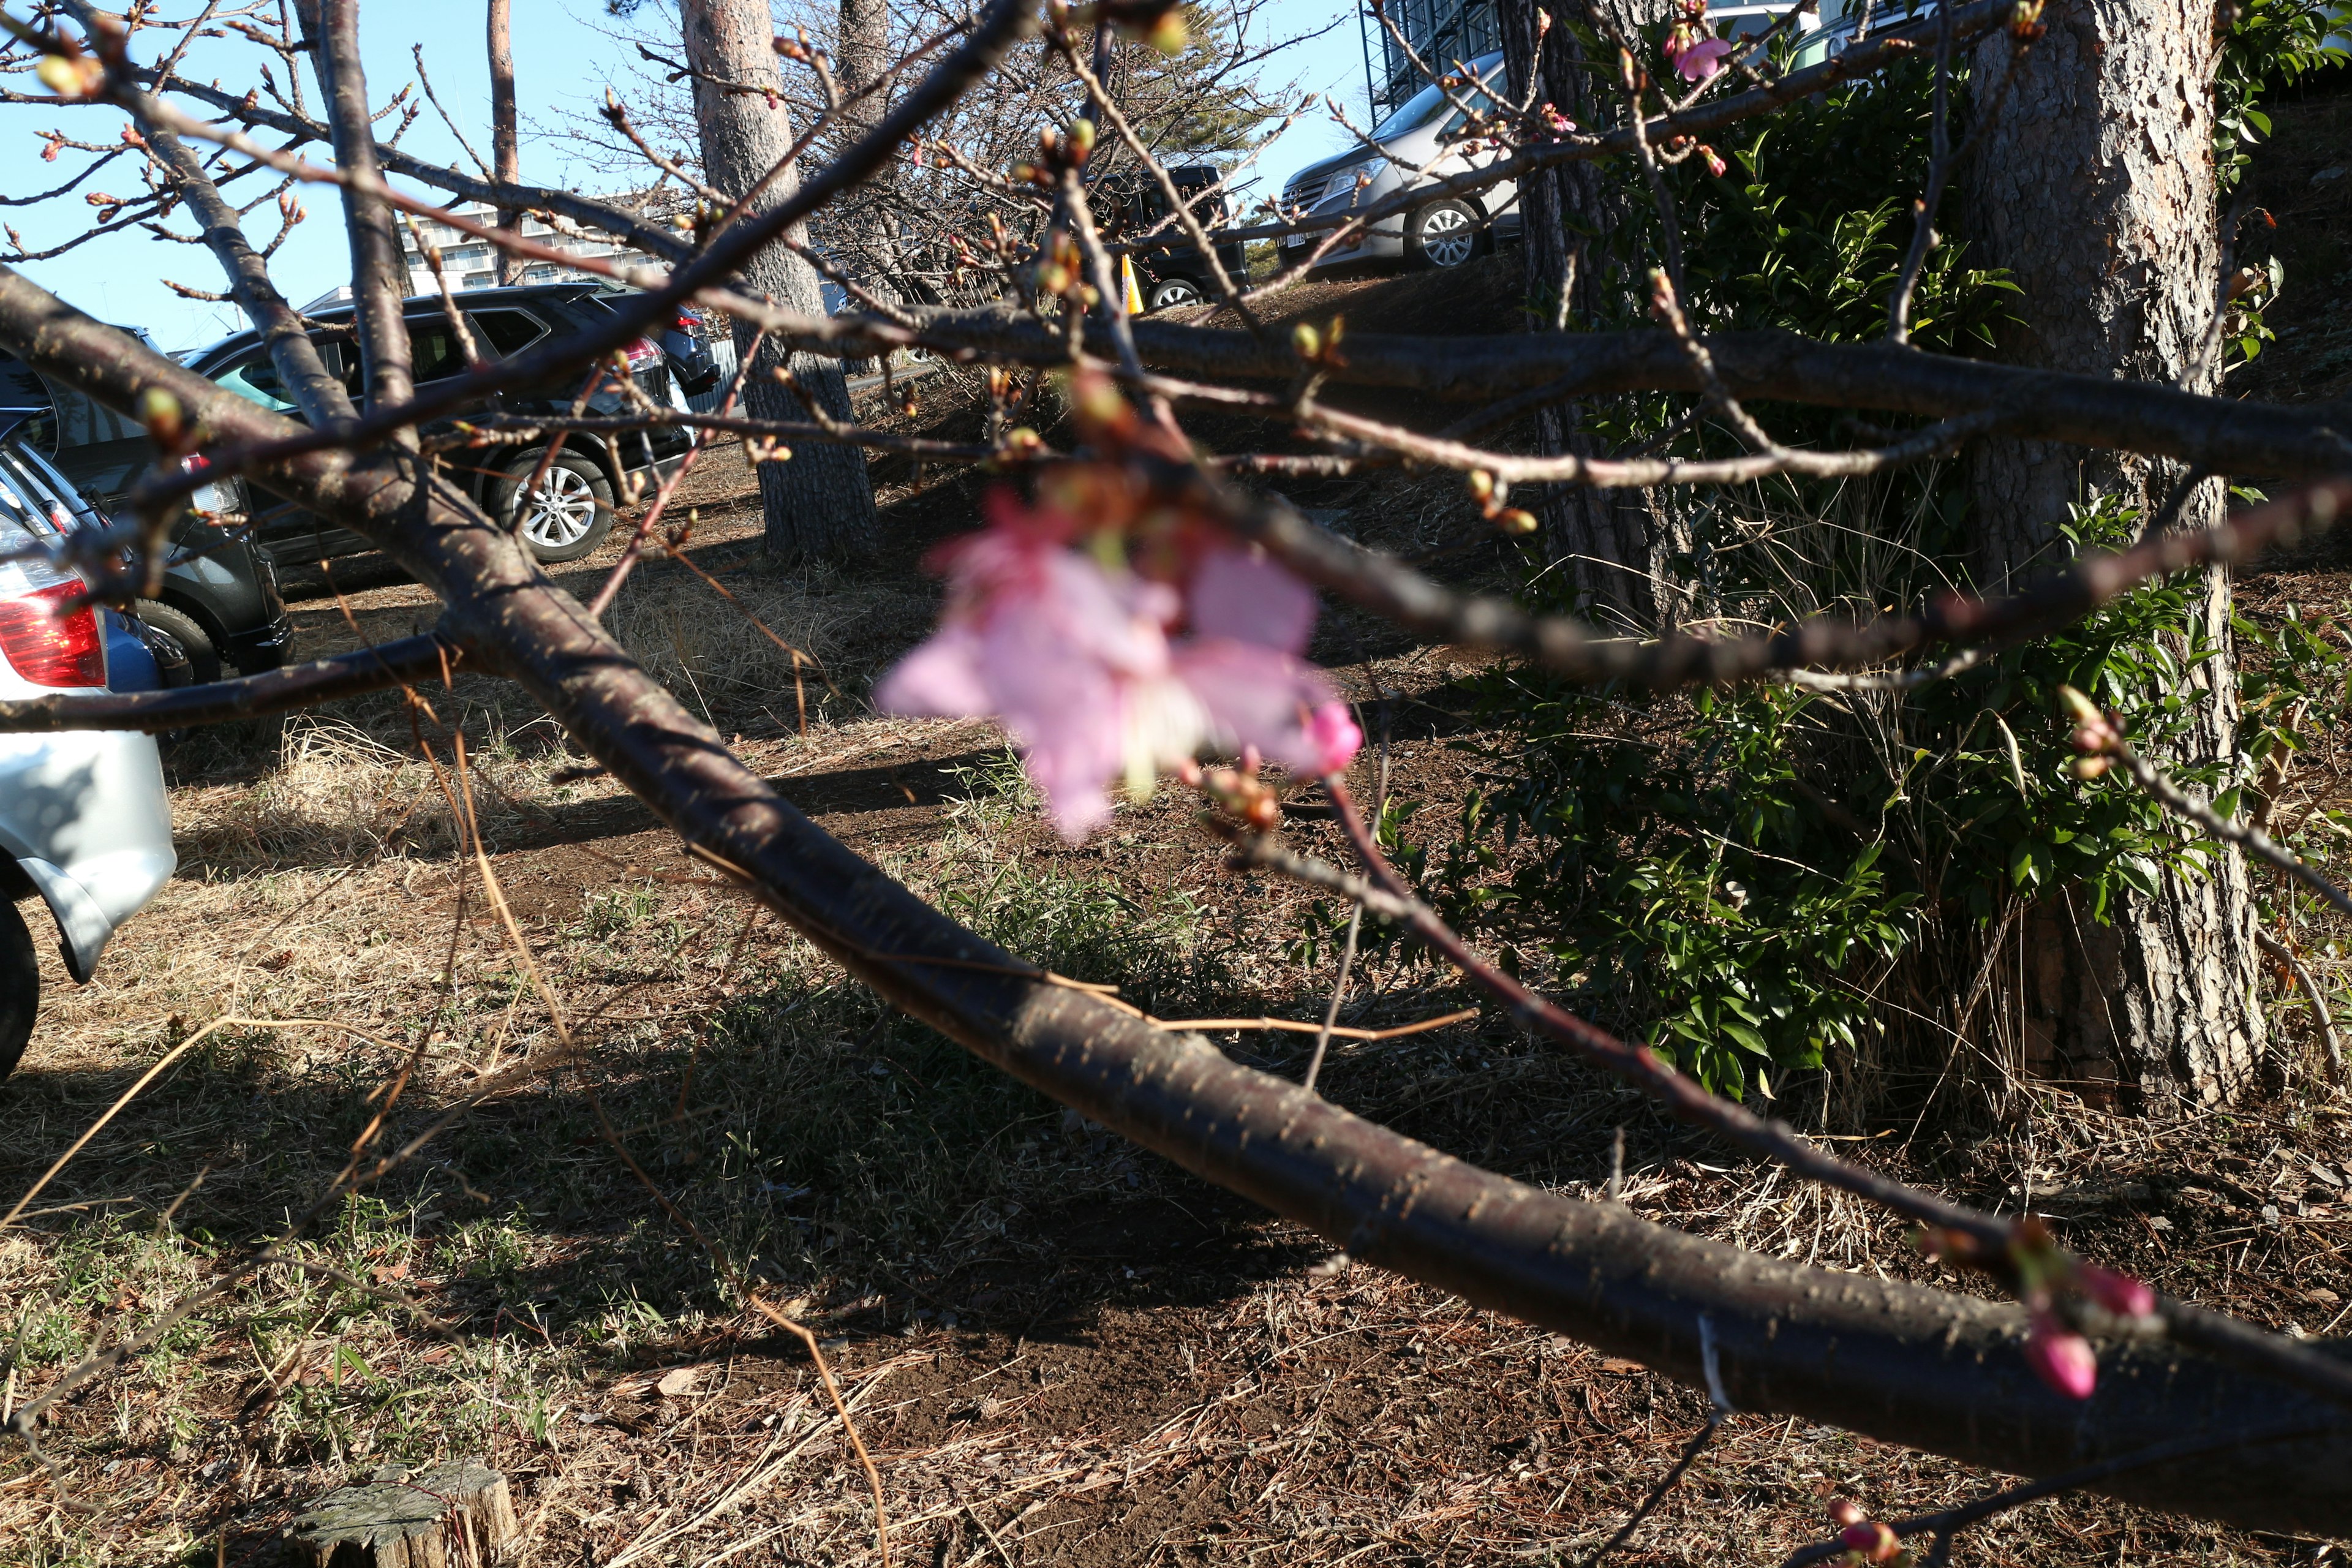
472 263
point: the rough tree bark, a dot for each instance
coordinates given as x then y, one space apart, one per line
2094 186
1611 544
821 502
506 152
869 220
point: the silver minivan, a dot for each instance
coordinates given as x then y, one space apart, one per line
1418 143
84 823
1424 133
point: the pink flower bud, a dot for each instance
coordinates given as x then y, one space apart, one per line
1331 731
2118 1293
2061 1357
1872 1539
1844 1512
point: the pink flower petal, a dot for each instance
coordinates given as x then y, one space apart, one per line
1702 59
2061 1357
940 679
1247 597
1070 767
1256 697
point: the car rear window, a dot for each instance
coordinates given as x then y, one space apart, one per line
508 332
34 494
68 505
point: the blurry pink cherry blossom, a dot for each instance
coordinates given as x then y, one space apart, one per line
1076 658
2061 1357
1697 60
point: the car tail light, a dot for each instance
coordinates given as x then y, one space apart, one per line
204 498
642 351
49 644
686 322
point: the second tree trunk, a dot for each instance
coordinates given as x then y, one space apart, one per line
820 502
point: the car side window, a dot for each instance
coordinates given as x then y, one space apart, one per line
255 379
342 362
433 352
507 331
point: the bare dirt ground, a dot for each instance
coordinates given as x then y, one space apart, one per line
1056 1350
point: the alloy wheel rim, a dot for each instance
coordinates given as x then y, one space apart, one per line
1173 294
1445 237
562 510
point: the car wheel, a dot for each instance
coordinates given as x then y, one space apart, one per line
20 987
204 658
567 516
1171 292
1442 235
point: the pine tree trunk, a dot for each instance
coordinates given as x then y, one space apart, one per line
1611 545
821 502
2095 186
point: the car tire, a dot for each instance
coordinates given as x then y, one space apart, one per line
1171 292
567 517
1443 235
204 658
20 986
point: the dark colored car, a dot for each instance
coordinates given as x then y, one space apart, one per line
572 510
686 341
74 458
1177 274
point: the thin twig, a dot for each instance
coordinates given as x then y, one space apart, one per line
2320 1010
1689 1455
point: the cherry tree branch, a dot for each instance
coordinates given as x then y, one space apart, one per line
1578 651
2097 736
1899 1362
431 655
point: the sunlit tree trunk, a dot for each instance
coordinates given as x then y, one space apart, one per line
2095 186
1611 544
821 502
506 154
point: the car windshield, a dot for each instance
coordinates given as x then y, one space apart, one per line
1425 105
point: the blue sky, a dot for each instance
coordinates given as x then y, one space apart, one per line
563 57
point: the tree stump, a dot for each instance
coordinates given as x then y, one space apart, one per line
457 1515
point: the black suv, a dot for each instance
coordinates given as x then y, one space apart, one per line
1175 274
571 512
219 602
